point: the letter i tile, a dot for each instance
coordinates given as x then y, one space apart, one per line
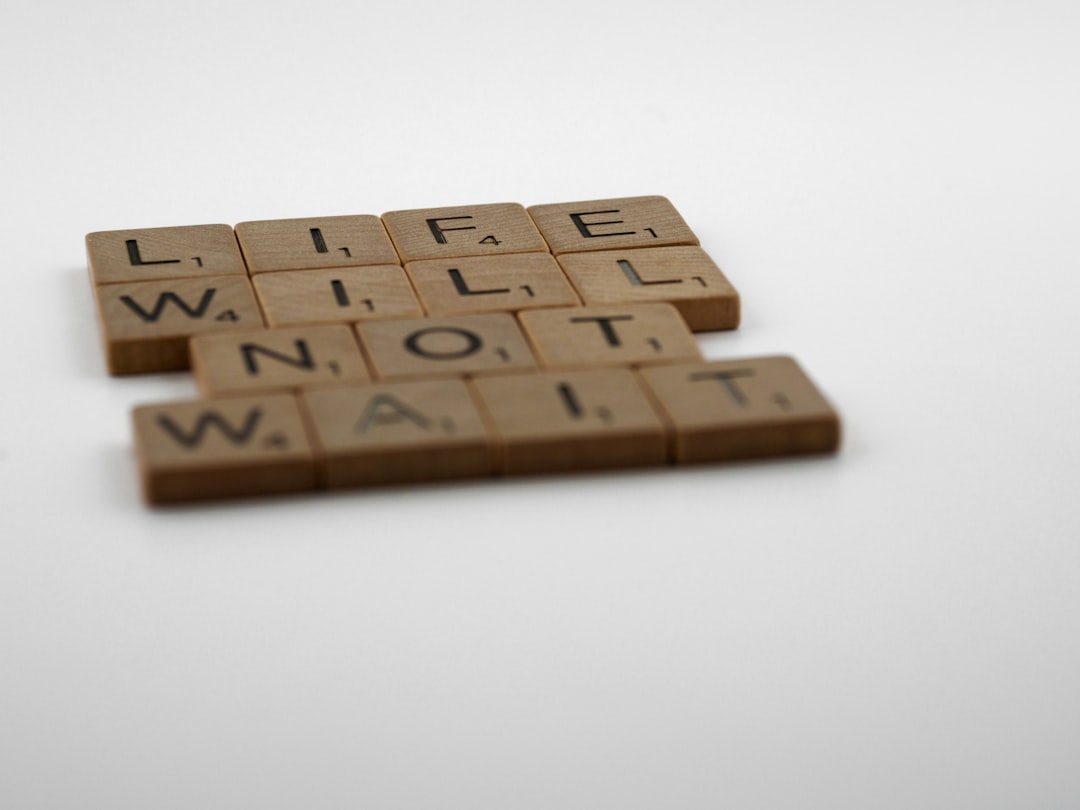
571 420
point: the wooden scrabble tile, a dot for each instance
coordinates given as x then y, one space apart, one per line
491 284
222 448
463 230
445 347
346 294
629 334
153 254
397 432
145 325
626 222
303 244
683 276
276 359
761 406
571 420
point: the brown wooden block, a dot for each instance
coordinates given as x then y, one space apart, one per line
342 295
153 254
683 276
760 406
276 359
303 244
629 334
571 420
626 222
463 230
491 284
445 347
146 325
397 432
222 448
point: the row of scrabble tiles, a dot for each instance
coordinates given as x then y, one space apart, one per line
397 237
363 434
157 287
260 361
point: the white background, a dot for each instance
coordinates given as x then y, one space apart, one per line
892 187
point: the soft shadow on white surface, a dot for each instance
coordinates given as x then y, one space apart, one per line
893 189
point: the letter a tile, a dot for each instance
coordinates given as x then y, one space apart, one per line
626 222
146 325
397 432
222 448
760 406
571 420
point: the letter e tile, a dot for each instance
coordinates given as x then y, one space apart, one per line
626 222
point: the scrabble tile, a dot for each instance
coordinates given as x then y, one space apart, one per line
222 448
571 420
445 347
153 254
397 432
761 406
145 325
685 277
463 230
491 284
346 294
270 360
626 222
303 244
629 334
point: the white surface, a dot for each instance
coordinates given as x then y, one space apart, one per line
892 187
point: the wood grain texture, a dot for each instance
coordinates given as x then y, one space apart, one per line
390 433
154 254
628 334
463 230
445 347
222 448
336 295
271 360
683 276
731 409
314 242
614 224
491 284
571 420
145 326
